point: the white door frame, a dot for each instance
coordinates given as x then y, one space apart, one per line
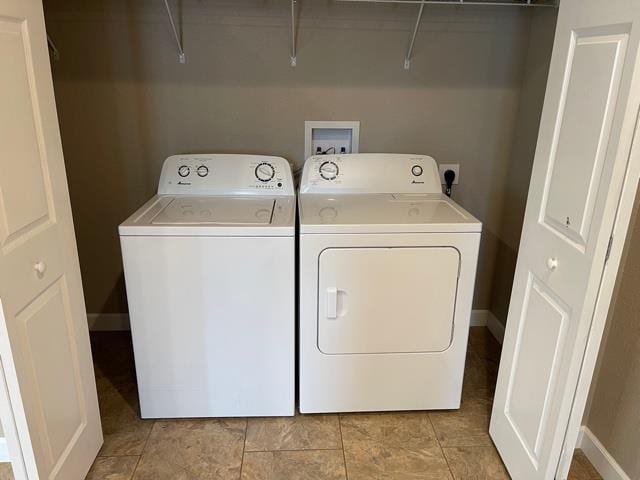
605 295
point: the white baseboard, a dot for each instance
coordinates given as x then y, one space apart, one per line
599 457
496 328
479 318
107 322
4 452
484 318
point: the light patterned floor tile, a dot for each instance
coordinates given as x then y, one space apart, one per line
393 429
461 428
294 465
483 343
5 471
475 463
582 469
113 468
302 432
480 373
377 461
193 450
392 446
125 433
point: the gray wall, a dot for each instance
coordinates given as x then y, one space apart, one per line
613 414
125 103
523 149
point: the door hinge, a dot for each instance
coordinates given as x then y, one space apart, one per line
606 257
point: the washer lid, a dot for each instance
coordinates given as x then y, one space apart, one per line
182 215
216 211
383 213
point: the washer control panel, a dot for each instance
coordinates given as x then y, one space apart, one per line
225 174
370 173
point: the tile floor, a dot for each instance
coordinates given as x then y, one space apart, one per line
386 446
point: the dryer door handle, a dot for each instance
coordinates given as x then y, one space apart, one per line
332 302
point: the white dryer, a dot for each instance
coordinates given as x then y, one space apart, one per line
387 269
210 274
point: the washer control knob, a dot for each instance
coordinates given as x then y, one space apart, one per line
203 171
265 172
416 170
329 170
184 171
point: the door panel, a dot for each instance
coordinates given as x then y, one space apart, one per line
44 340
386 300
581 158
535 365
45 328
23 169
589 94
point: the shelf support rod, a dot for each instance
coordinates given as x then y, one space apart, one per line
54 49
407 58
181 56
293 34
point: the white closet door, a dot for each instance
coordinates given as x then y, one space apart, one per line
44 342
582 154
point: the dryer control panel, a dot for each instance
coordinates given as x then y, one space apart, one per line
225 174
370 173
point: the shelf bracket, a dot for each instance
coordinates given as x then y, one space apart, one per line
293 34
54 49
407 58
181 56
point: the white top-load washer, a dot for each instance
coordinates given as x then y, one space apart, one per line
209 266
387 269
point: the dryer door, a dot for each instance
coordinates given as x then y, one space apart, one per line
386 300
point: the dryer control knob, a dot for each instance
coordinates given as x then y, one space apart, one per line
265 172
329 170
416 170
